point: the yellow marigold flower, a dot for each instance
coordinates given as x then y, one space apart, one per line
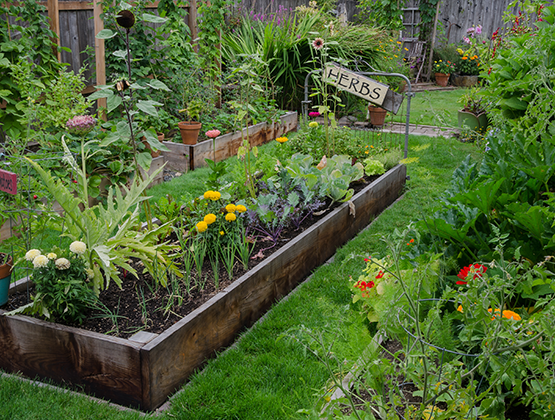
208 194
32 254
215 196
230 208
282 139
201 226
230 217
222 233
240 208
78 247
209 218
313 124
51 256
40 261
399 42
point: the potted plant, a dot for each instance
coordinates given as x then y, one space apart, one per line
443 70
376 115
190 128
473 115
158 125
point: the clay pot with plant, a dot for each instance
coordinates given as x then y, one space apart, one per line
190 128
153 127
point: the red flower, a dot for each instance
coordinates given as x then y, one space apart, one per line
370 284
367 259
380 274
477 270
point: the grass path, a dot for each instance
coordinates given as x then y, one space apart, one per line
263 377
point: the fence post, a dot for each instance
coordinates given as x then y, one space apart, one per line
54 15
99 53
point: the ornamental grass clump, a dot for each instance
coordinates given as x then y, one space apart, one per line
63 290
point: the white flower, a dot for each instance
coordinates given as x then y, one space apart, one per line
78 247
90 273
32 254
51 256
62 264
40 261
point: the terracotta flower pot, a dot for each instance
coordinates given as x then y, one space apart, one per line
189 131
377 115
442 79
152 152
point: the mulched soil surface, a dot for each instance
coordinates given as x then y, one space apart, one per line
141 306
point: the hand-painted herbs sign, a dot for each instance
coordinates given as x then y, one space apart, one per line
8 182
356 84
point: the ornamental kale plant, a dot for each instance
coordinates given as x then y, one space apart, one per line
284 201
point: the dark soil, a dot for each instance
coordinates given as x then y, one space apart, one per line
140 305
390 347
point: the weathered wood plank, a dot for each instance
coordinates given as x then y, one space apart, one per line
175 354
178 158
107 366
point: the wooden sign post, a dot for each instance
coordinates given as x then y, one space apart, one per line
356 84
8 182
363 87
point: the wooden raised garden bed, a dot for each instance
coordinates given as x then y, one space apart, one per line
184 157
143 370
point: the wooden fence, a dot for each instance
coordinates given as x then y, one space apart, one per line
77 22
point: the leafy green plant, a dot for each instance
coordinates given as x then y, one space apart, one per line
25 37
373 167
506 193
518 85
110 233
336 177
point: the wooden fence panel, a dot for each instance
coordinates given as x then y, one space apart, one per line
457 16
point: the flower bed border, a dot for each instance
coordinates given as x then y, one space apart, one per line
144 370
184 157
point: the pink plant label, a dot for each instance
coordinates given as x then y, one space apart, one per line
8 182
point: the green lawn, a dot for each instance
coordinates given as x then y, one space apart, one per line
265 376
435 107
